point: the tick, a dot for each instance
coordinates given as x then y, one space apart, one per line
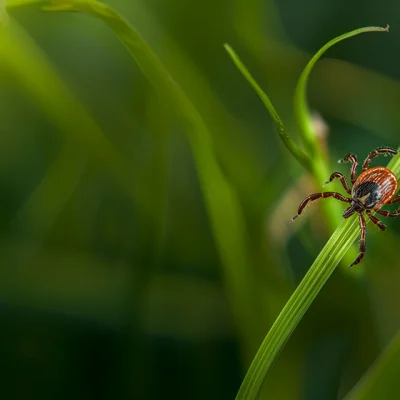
373 188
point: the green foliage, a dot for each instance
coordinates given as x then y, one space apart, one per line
41 81
382 380
339 243
223 206
300 156
255 267
313 160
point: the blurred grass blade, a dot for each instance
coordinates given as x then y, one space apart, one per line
326 262
303 116
45 204
222 203
49 198
289 143
382 380
39 79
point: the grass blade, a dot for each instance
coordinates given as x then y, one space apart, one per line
302 112
320 169
326 262
288 142
40 80
335 249
313 161
222 203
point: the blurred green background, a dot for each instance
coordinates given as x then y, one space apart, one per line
117 291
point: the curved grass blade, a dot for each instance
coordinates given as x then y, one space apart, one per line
222 202
302 112
320 170
288 142
314 161
49 198
39 79
326 262
331 211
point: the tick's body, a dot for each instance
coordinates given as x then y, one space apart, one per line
374 188
378 181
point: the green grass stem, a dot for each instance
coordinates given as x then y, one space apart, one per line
308 134
313 160
221 200
302 113
336 247
286 139
301 299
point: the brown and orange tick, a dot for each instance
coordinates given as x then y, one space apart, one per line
374 188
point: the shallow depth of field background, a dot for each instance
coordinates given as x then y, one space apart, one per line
106 294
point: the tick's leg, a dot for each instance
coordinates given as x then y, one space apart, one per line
342 181
376 221
376 152
317 196
396 200
362 240
353 159
387 213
